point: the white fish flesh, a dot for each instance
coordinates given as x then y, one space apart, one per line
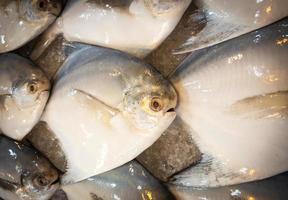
106 108
235 97
133 26
229 19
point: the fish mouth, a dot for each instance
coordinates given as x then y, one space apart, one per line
170 110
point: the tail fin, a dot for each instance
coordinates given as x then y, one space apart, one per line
216 30
210 172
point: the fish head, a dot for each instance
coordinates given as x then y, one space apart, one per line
39 182
39 10
160 7
151 103
32 90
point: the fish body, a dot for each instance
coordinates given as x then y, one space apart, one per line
269 189
106 108
24 173
132 26
234 96
130 181
229 19
24 90
23 20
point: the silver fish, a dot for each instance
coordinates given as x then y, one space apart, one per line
269 189
23 20
229 19
130 181
24 173
104 23
24 90
234 95
114 106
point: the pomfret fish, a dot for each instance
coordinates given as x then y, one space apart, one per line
234 95
130 181
269 189
24 90
132 26
24 173
229 19
106 108
23 20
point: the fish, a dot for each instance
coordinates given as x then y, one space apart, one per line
234 96
229 19
104 23
24 173
23 20
269 189
24 91
130 181
106 107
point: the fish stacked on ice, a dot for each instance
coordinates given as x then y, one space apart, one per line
23 20
235 97
133 26
106 108
24 173
24 91
229 19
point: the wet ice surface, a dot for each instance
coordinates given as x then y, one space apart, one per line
172 152
162 57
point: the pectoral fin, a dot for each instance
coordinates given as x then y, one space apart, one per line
266 106
91 103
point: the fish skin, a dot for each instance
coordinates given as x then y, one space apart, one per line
24 91
20 168
227 20
115 124
268 189
130 181
239 147
22 20
94 24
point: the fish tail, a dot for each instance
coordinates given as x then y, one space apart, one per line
215 31
210 172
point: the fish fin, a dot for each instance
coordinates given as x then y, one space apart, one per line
6 185
93 103
215 31
265 106
209 172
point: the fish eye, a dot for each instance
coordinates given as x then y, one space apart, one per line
156 104
41 181
32 88
42 5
